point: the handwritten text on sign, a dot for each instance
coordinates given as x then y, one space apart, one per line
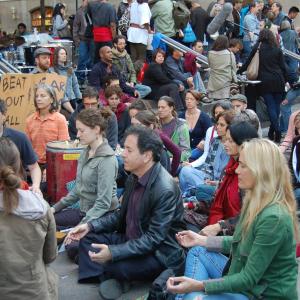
17 90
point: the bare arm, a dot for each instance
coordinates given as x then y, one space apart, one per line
36 176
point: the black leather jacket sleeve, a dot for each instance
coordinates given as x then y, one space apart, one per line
159 225
109 223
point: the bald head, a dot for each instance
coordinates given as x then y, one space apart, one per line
105 54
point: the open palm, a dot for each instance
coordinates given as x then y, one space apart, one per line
190 239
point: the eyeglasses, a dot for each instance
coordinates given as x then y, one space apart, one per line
89 105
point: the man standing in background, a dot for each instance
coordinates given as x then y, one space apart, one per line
83 43
104 20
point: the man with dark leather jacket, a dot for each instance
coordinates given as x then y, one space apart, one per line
138 241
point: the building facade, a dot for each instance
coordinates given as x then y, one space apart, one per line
13 12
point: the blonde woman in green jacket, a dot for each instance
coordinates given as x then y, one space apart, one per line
262 262
175 128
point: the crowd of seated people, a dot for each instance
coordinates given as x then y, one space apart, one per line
196 202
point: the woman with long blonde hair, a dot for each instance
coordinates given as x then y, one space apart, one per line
262 262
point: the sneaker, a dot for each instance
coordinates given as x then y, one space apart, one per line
112 289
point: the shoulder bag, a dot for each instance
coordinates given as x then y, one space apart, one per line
234 86
252 70
64 33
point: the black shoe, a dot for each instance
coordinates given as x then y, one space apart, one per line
271 135
277 137
113 289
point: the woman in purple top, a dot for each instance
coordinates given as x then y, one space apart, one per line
149 119
198 123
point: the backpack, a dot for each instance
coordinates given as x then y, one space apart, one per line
181 14
189 35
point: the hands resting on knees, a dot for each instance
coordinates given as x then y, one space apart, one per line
184 285
104 254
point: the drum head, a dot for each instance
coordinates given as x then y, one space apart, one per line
65 145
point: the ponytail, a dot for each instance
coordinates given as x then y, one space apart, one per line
106 112
9 183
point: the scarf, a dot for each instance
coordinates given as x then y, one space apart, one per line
120 108
118 54
227 201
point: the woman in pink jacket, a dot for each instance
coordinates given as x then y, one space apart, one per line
293 130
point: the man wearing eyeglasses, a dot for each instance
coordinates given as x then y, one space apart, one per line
90 100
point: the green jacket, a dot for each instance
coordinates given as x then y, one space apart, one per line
124 64
263 264
181 137
162 14
95 184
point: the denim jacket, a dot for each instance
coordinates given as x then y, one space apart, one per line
72 87
251 22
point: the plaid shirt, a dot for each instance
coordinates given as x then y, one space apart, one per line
216 160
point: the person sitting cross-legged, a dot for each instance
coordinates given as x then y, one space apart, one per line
262 251
160 83
122 60
138 241
105 67
174 65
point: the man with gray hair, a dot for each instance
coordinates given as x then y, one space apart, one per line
239 103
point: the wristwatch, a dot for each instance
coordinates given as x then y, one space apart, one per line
223 226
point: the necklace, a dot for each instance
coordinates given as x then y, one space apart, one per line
195 112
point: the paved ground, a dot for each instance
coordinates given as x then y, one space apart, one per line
69 289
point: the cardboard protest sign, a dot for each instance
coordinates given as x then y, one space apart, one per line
17 90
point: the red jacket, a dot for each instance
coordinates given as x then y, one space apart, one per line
227 202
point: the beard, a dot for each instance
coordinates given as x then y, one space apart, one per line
44 67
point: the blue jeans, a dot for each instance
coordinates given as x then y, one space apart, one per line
196 153
246 50
292 68
297 196
273 101
143 90
86 52
286 110
190 177
203 265
198 83
205 192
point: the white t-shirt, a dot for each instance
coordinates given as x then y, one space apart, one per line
139 14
